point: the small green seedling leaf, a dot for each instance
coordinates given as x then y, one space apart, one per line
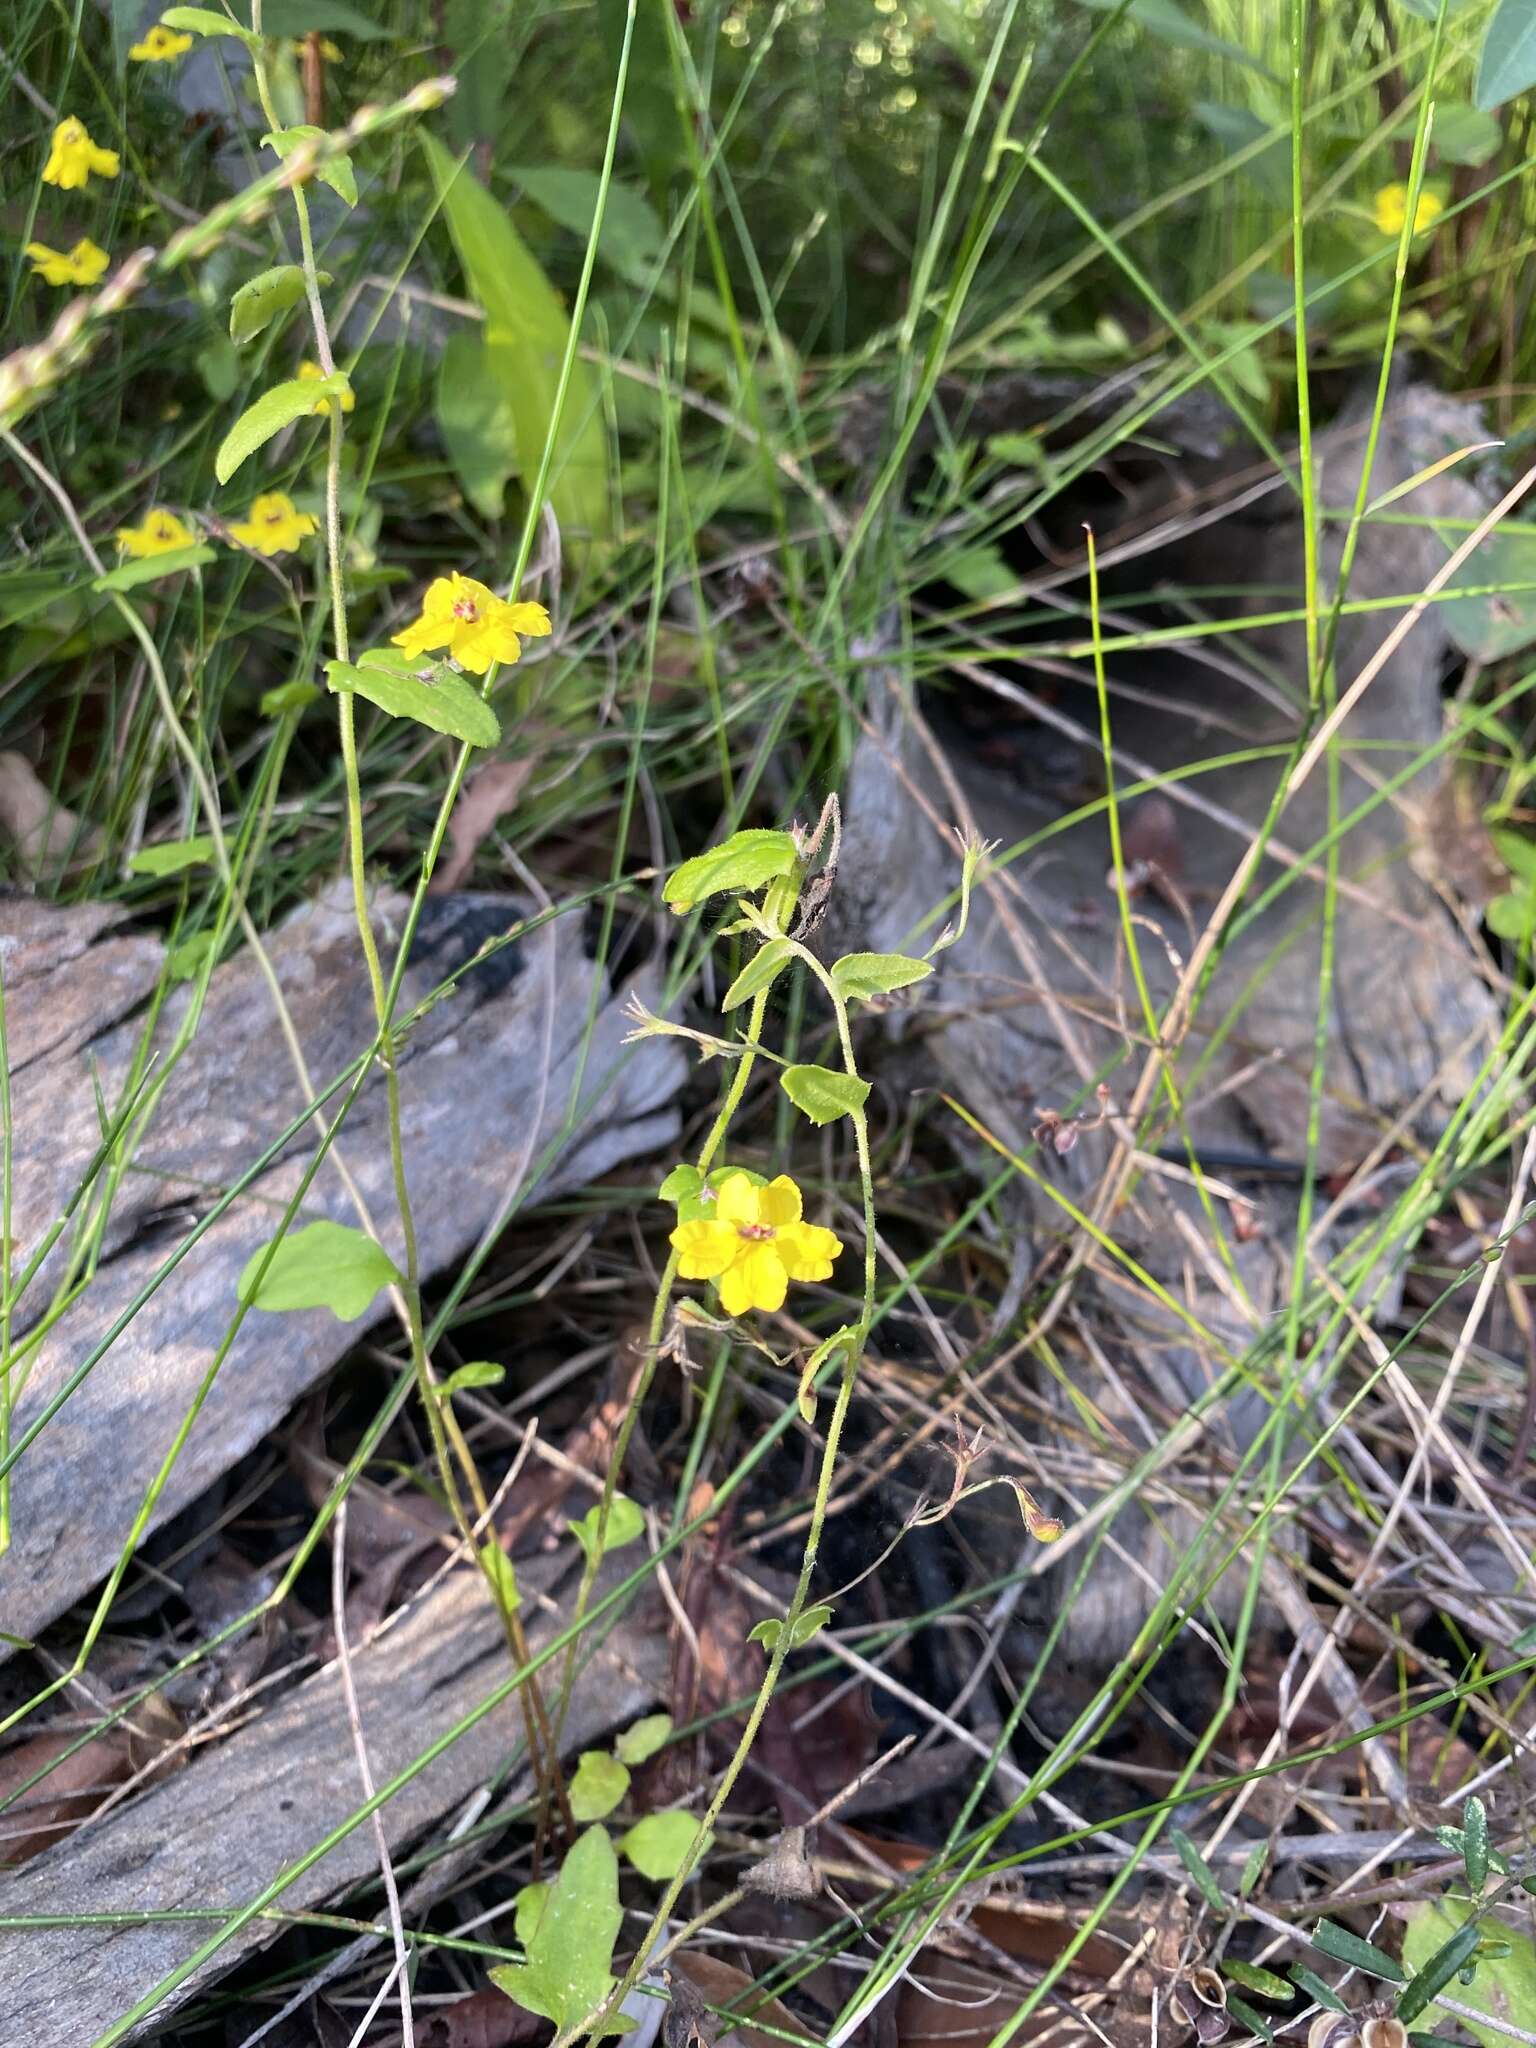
274 410
597 1785
811 1623
335 171
172 855
767 1633
821 1094
443 702
658 1845
204 21
150 568
1199 1870
745 862
481 1372
1263 1983
286 697
680 1183
760 972
1474 1824
567 1974
324 1265
185 962
643 1739
502 1578
260 299
1344 1947
1253 1865
626 1521
859 976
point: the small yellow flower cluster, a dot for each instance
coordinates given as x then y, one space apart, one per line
471 624
754 1244
72 158
1390 210
275 527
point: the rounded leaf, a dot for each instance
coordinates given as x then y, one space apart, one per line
597 1785
745 861
823 1095
858 976
324 1265
434 695
658 1845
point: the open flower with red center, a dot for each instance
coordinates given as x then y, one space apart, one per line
471 623
276 525
754 1244
161 533
72 157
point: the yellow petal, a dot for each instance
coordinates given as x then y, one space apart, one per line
756 1281
808 1251
704 1249
529 619
779 1202
736 1200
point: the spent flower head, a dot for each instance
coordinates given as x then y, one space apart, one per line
159 534
160 45
83 264
73 157
755 1244
1390 210
276 525
308 372
471 623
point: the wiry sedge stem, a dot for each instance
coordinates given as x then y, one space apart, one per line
442 1424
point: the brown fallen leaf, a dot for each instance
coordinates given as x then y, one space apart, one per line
486 2019
722 1984
488 795
47 839
76 1784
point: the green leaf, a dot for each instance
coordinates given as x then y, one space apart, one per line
858 976
290 18
1474 1824
286 697
528 1910
185 962
567 1974
1310 1985
1511 916
274 410
482 36
482 1372
632 237
1344 1947
204 21
335 171
981 573
502 1575
743 862
1199 1869
1465 135
1264 1983
261 298
811 1623
218 364
526 333
643 1739
658 1845
821 1094
1488 628
1508 63
1524 1644
324 1265
392 679
597 1785
1519 855
1255 2022
150 568
760 972
172 855
681 1182
626 1521
1437 1970
1253 1865
474 418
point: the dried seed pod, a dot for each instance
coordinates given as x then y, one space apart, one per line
1385 2031
1332 2030
1210 2025
1208 1988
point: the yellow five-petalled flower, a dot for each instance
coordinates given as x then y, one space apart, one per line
754 1244
161 45
160 533
1390 210
276 525
73 157
471 623
83 264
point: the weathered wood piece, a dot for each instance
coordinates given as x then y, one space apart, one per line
210 1839
487 1079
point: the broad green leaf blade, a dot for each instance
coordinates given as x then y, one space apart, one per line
643 1740
172 855
821 1094
568 1974
680 1183
274 410
760 972
150 568
324 1265
597 1785
743 862
335 171
206 21
626 1521
632 237
1436 1971
858 976
1345 1947
1465 135
1508 63
658 1845
261 298
474 417
526 331
391 679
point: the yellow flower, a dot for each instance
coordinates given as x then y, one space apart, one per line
475 625
160 46
308 372
160 532
275 526
74 156
83 265
1390 208
755 1244
331 52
